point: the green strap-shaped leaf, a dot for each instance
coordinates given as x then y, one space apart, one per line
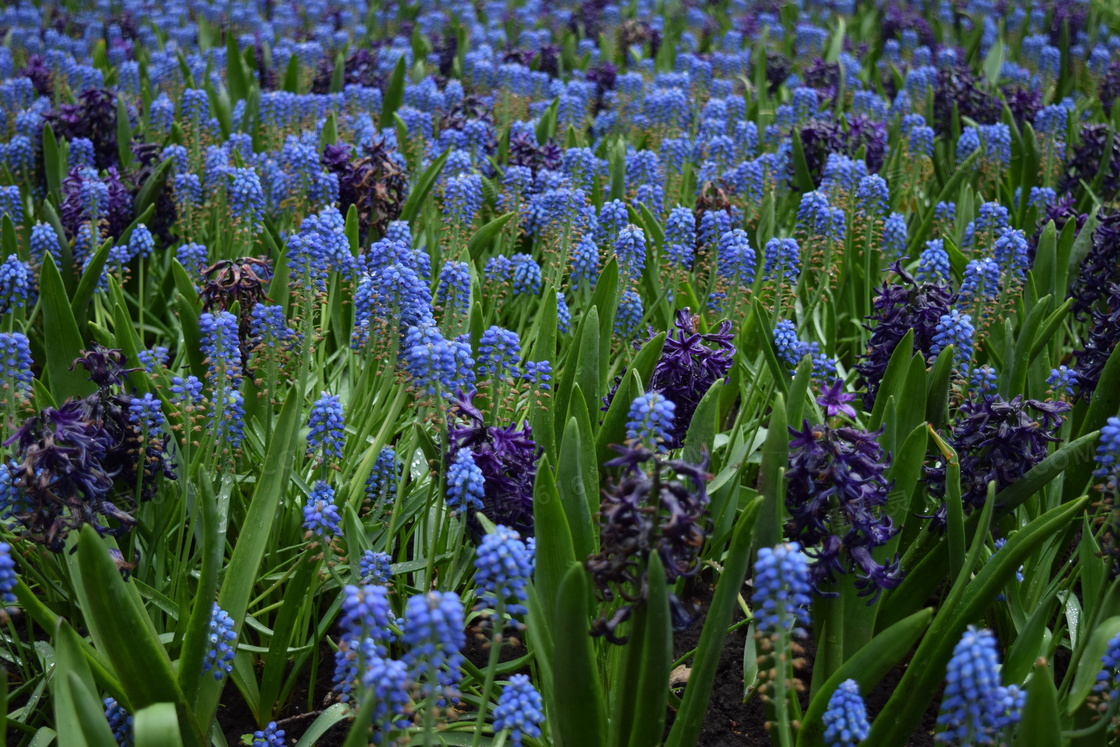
1080 249
616 158
352 230
338 75
648 356
652 226
1016 381
64 342
1025 650
587 370
589 468
867 667
657 659
276 661
906 468
624 691
394 94
581 717
50 215
775 458
543 413
954 509
95 730
993 62
322 724
129 345
701 434
765 340
358 736
802 179
911 401
939 381
149 191
237 79
572 487
799 390
9 242
124 134
329 134
903 711
484 236
605 300
192 335
1105 404
53 168
291 76
91 276
546 123
836 45
1090 663
555 553
422 187
613 429
198 624
70 708
690 718
138 658
34 608
1040 725
573 363
241 573
157 725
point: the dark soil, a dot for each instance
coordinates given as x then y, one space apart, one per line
236 719
477 651
729 721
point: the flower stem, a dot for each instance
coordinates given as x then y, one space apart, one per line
491 670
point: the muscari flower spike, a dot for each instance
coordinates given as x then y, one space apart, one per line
365 621
1108 454
976 707
1061 381
845 720
221 644
499 352
8 578
381 485
465 483
781 589
270 736
15 366
504 568
519 709
650 420
434 632
120 722
375 567
320 514
326 425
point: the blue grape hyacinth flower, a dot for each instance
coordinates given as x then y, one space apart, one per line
520 710
504 569
221 644
650 421
326 425
845 720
